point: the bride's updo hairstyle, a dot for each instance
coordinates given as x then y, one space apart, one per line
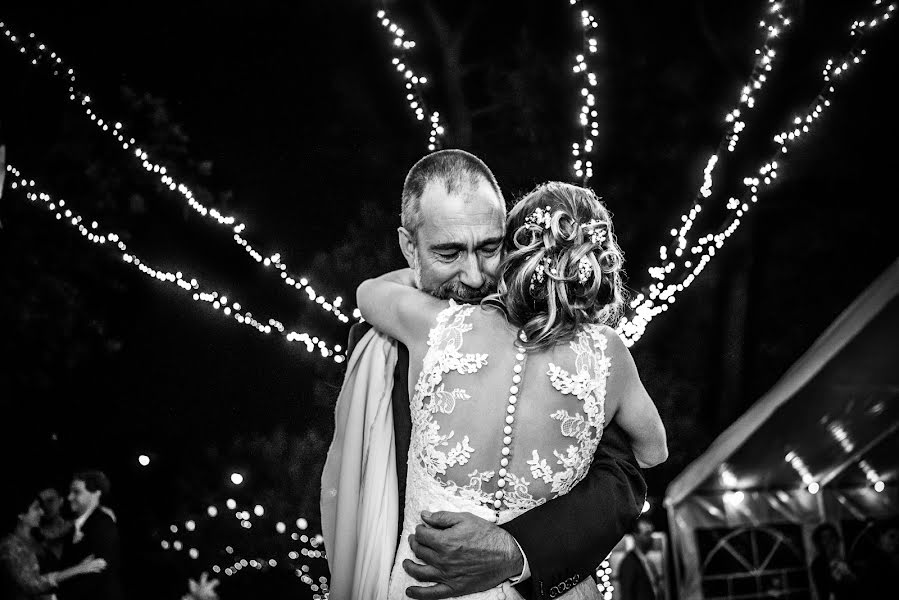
562 265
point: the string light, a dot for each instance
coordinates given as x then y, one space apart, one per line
644 305
604 579
842 437
220 302
645 310
260 564
802 469
775 23
871 475
734 498
582 150
310 547
655 300
412 83
41 54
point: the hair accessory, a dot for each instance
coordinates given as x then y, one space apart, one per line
584 270
593 229
539 275
541 217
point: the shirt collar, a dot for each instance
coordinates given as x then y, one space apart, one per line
79 522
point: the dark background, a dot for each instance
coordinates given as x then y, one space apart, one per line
290 116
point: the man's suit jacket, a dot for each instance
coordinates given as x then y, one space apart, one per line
633 580
100 537
565 539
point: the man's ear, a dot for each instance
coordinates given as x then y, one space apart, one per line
407 245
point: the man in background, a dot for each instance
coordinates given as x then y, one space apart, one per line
638 578
94 534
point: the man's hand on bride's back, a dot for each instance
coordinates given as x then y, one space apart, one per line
461 554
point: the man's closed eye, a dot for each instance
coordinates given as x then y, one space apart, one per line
448 256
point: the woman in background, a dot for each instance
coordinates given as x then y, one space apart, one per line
20 576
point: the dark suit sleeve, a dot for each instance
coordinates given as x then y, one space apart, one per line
357 331
101 539
105 541
567 538
106 545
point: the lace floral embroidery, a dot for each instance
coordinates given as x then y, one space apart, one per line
436 450
588 384
431 396
517 494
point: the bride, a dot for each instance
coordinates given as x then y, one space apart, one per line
511 395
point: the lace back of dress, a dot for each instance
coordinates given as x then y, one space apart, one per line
501 427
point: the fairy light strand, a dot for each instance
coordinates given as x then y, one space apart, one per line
236 564
312 546
774 24
219 301
41 54
412 83
649 304
582 150
637 325
604 579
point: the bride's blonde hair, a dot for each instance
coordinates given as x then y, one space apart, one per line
562 267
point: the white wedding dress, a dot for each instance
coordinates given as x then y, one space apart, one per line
496 430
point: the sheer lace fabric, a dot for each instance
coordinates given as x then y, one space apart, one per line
463 419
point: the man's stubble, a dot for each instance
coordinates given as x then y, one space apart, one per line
453 289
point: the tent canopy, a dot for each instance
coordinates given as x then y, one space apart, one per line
832 419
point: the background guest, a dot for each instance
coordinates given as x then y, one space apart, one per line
95 533
54 529
880 572
831 574
638 578
20 575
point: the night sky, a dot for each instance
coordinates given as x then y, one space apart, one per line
290 114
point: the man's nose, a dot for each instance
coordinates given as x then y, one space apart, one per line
472 274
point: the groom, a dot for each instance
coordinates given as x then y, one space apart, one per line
453 220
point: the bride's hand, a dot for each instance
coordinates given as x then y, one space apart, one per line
92 565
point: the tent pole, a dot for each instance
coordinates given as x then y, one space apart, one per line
675 548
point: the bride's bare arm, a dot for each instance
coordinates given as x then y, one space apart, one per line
393 305
635 412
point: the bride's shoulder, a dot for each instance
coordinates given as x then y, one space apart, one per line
490 315
601 333
593 339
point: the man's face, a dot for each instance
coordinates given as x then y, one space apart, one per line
889 541
458 246
80 499
643 536
50 502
